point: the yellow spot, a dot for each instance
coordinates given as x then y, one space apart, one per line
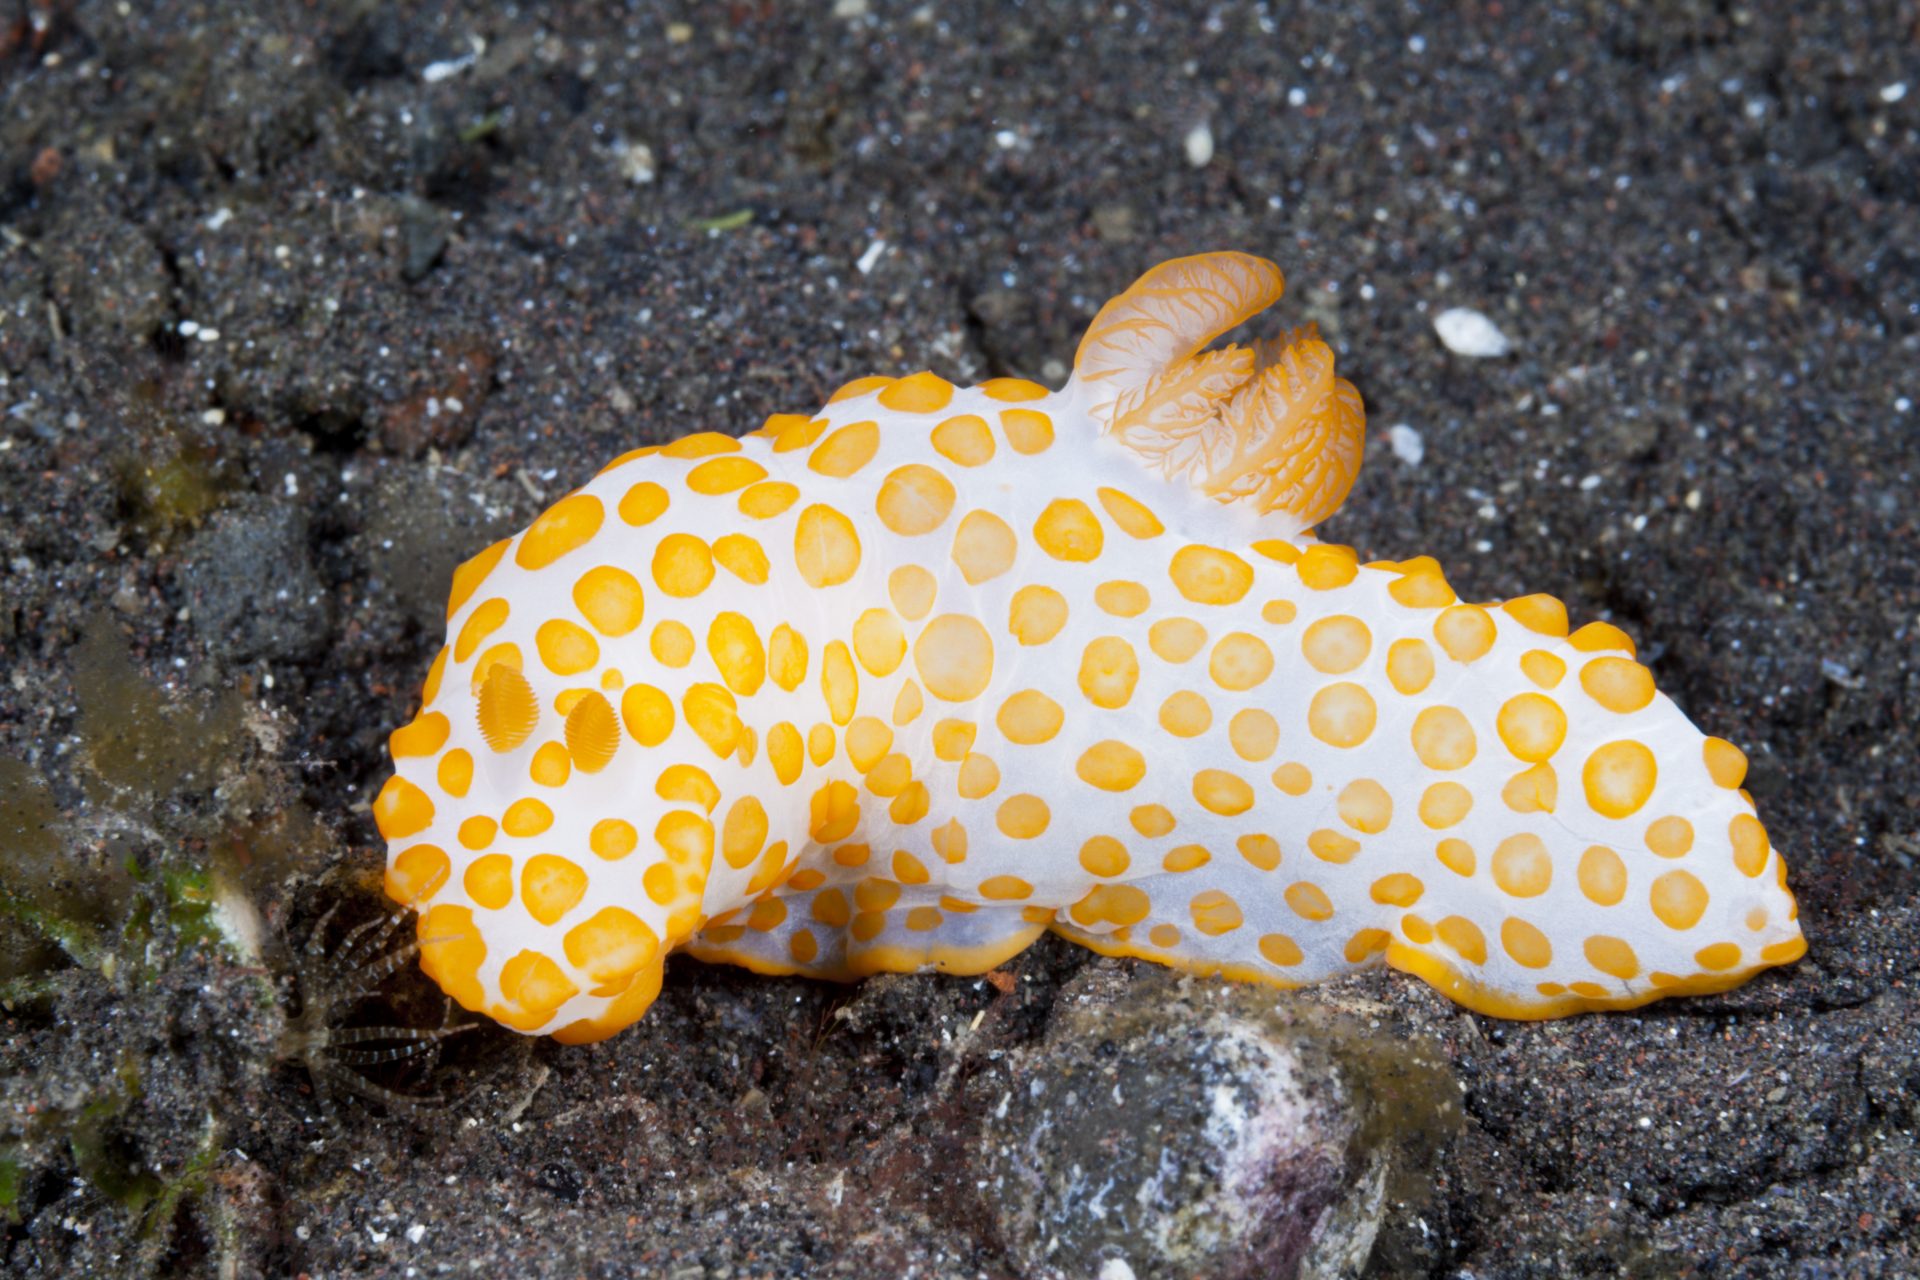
1214 913
643 503
1278 948
1750 844
455 773
647 713
672 643
551 765
859 387
826 549
1678 899
912 590
964 440
785 752
1443 739
1543 668
711 712
839 682
1111 765
1278 612
767 500
682 565
1670 837
868 740
787 657
417 874
425 735
1365 943
1188 857
1409 665
890 776
1726 763
610 945
1240 662
1619 777
1422 590
1036 614
506 708
1325 566
723 475
567 524
743 832
846 451
1068 530
1445 804
1397 890
908 869
1122 599
950 842
1602 635
1208 575
1465 631
1603 876
1464 936
1522 866
1121 905
533 987
489 881
435 671
954 657
915 499
486 619
1293 778
1262 851
1721 955
526 818
610 599
921 392
1186 715
1254 734
1309 901
613 838
1029 718
1134 517
551 886
952 739
1176 639
701 444
1330 846
1612 956
1150 820
468 577
1022 817
1108 672
742 557
1365 806
566 648
1027 430
1013 390
1221 792
1526 944
1532 790
1456 856
879 642
979 776
983 547
834 812
1105 856
1341 715
1539 613
1618 684
1532 726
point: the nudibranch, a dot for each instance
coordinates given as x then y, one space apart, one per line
902 683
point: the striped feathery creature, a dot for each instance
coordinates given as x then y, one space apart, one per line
899 684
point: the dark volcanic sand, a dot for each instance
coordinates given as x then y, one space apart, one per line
303 302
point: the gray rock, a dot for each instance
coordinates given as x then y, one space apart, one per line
252 588
1190 1129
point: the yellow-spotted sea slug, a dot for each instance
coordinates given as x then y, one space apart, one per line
902 683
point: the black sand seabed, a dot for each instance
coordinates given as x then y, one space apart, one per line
301 303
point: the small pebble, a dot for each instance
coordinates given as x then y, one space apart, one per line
1199 145
1467 332
1406 444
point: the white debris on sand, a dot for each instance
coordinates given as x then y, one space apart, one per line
1467 332
1199 145
1406 444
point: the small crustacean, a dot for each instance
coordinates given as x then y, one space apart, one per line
328 983
901 683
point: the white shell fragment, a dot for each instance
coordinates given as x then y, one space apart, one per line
1467 332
